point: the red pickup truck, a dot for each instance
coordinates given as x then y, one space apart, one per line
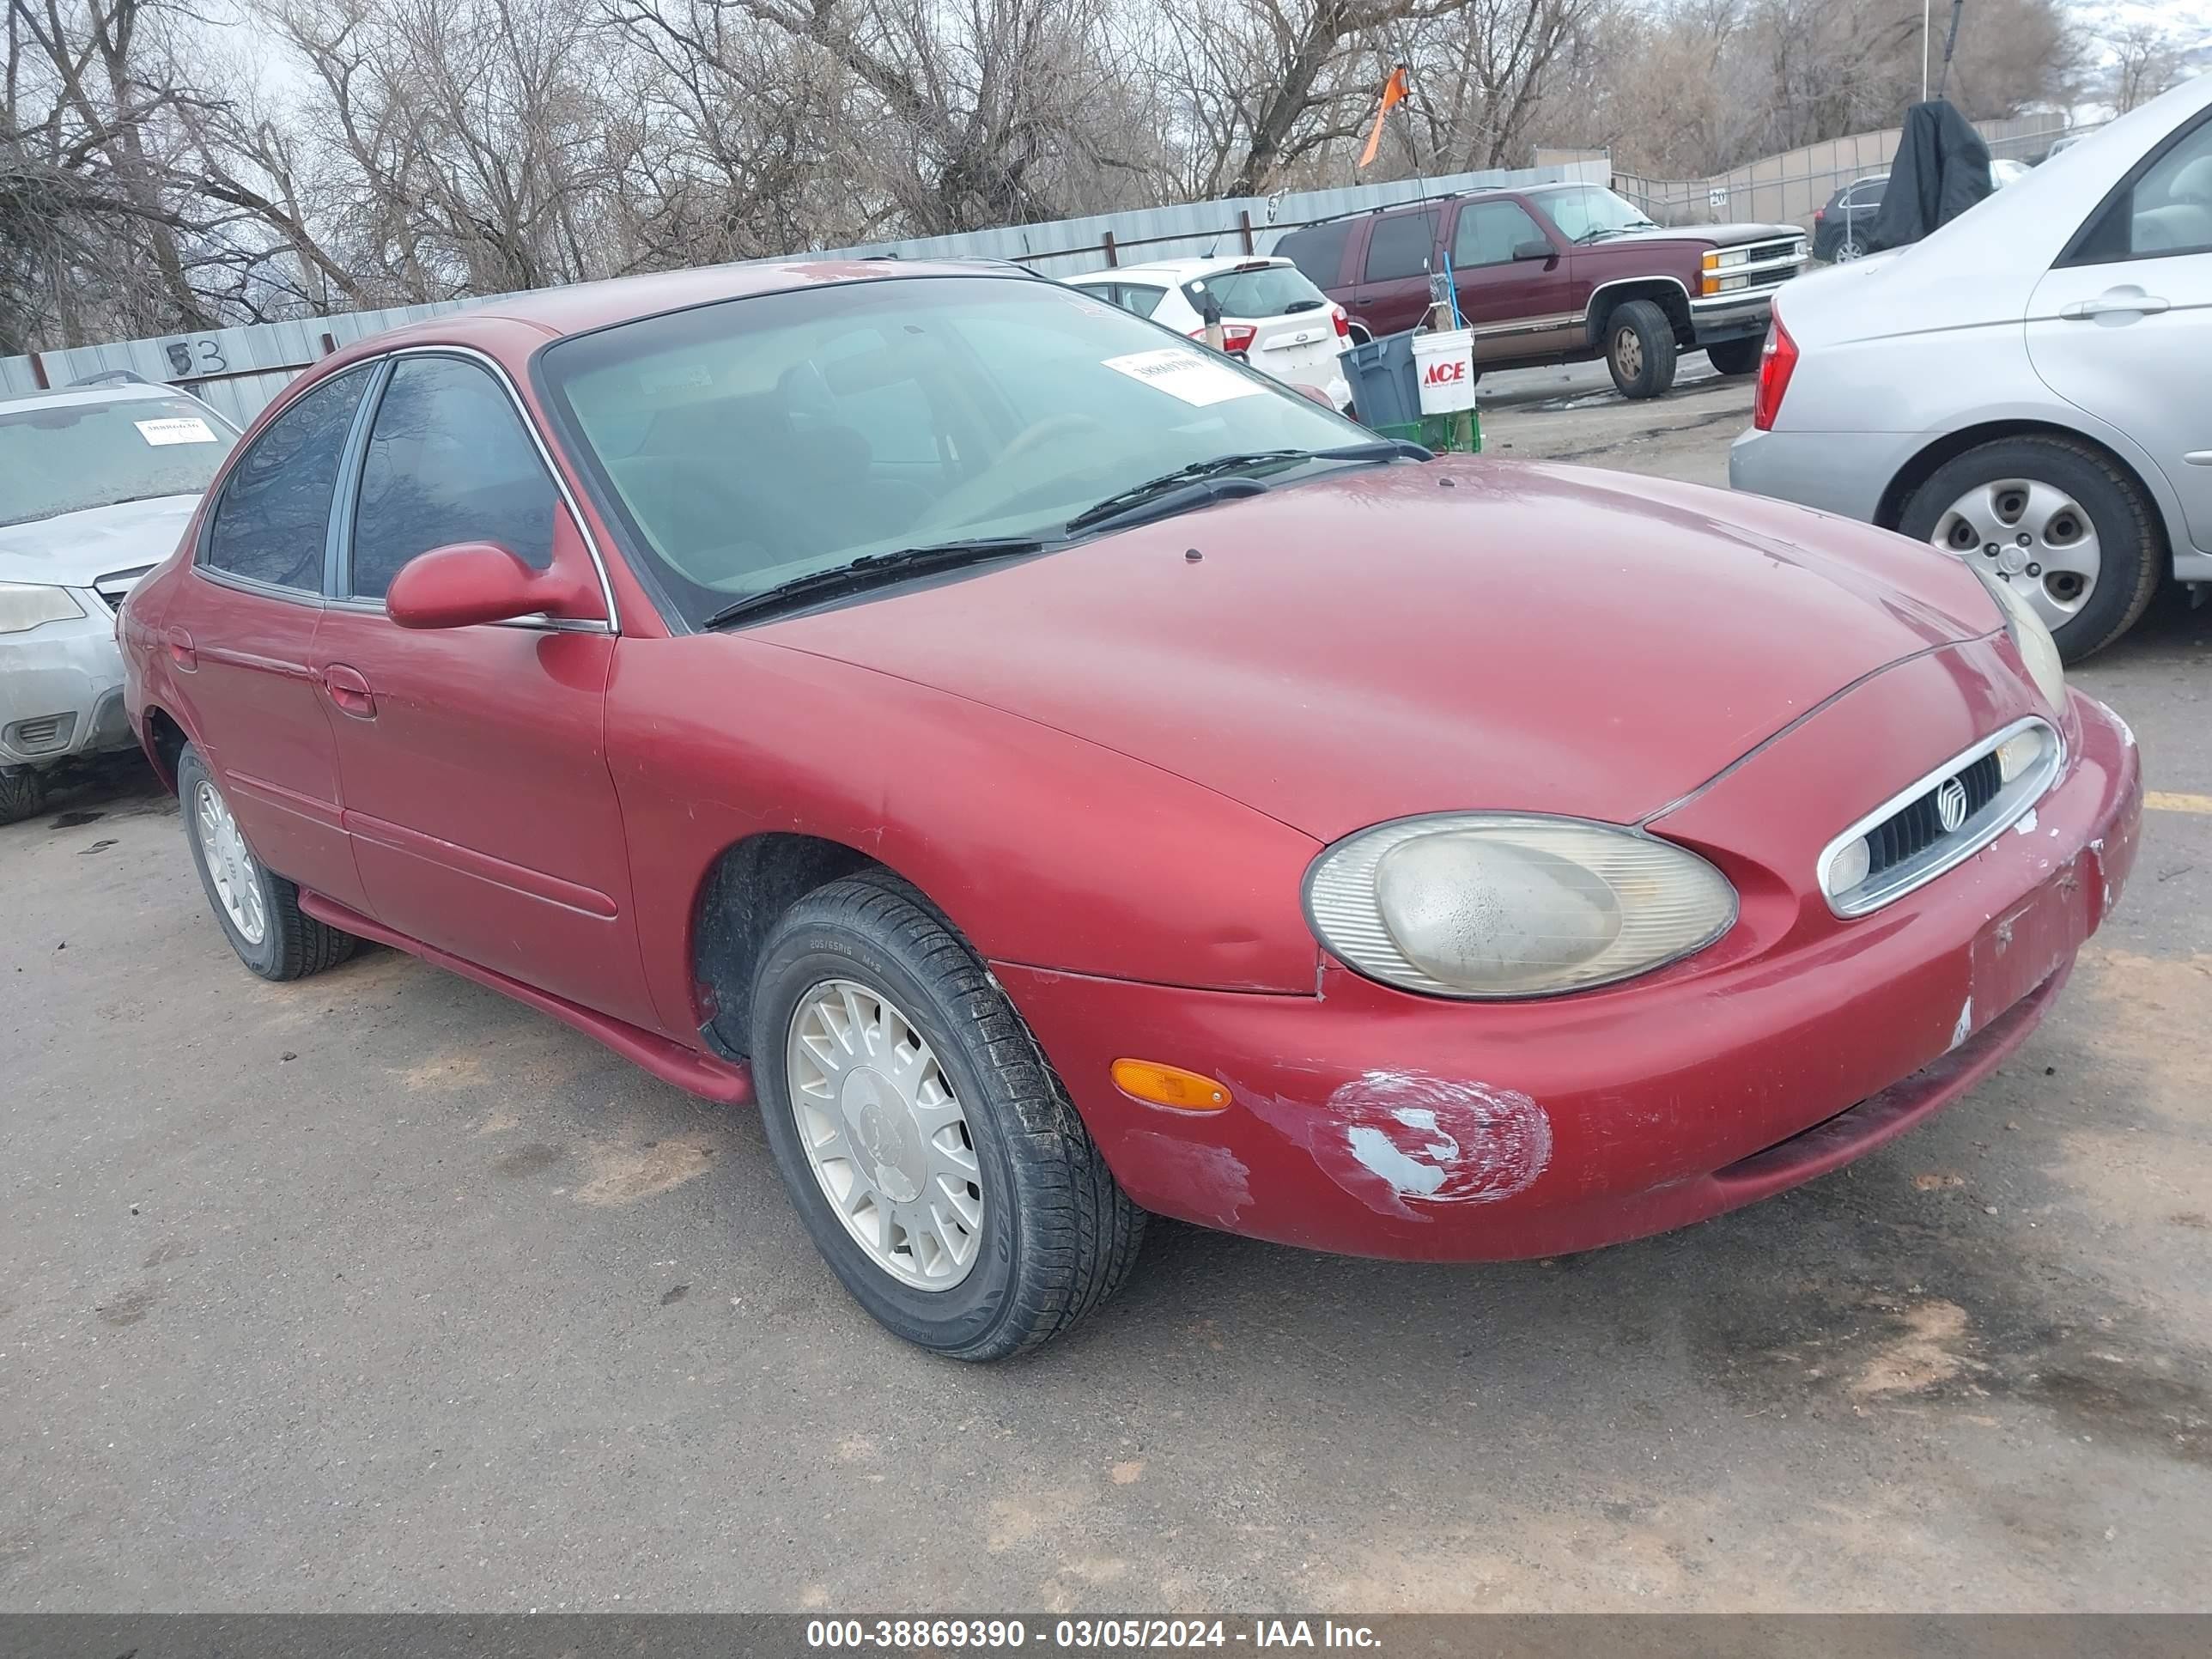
1559 273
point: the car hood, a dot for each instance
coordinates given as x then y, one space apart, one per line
1420 637
71 549
1705 235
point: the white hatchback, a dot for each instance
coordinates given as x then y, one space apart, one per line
1272 316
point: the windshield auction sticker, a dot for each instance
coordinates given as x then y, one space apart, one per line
178 429
1185 374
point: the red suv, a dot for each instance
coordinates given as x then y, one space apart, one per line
1561 273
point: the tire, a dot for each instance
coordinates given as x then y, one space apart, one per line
1639 348
1057 1235
1736 356
1850 248
291 945
21 795
2129 544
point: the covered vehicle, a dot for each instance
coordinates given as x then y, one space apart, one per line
1063 775
2026 388
1271 316
96 484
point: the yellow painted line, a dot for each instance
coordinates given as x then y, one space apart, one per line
2161 801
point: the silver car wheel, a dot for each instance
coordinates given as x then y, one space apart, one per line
886 1137
1848 250
2034 536
230 866
1628 353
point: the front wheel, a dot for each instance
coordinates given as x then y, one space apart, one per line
1639 348
935 1159
2054 520
256 908
21 794
1735 356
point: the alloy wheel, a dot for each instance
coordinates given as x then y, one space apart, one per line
230 866
886 1134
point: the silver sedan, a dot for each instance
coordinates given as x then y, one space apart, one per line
2028 388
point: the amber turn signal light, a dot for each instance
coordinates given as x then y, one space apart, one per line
1169 1085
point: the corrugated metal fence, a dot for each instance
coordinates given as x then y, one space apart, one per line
239 369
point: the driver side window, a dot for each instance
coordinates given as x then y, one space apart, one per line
448 460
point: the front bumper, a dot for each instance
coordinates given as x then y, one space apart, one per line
1720 316
61 689
1368 1122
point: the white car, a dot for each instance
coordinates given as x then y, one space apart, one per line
2030 388
1271 315
96 484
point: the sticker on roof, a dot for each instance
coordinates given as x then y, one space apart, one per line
1185 374
175 430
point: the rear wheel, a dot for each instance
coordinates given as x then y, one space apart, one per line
1639 348
1736 356
21 795
2054 520
932 1155
258 909
1850 248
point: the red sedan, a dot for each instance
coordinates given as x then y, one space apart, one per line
1063 775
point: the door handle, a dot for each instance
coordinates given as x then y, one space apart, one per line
181 650
2114 302
349 691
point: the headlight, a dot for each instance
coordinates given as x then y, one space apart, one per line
1482 904
2031 636
23 607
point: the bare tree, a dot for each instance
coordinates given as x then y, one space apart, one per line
2146 62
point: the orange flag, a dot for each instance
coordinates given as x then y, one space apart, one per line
1393 93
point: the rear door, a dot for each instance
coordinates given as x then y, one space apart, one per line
1518 307
474 759
1393 292
2122 325
240 631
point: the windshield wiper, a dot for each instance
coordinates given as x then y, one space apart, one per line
1173 492
1303 305
874 570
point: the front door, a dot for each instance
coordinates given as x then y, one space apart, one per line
1520 307
2122 325
240 631
473 760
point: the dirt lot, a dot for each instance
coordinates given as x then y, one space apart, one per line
381 1292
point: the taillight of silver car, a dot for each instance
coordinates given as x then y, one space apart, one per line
1777 363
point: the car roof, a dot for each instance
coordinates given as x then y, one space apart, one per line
579 307
1180 271
112 391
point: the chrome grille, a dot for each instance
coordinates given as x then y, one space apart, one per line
1905 841
1919 825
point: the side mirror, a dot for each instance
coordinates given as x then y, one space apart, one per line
1534 251
468 583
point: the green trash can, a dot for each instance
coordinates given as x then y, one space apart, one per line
1448 435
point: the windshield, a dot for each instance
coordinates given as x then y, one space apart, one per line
1589 212
747 443
1256 291
65 458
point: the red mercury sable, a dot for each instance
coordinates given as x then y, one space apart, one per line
1063 775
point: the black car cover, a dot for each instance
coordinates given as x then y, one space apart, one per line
1941 169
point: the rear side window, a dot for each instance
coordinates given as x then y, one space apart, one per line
1140 298
274 516
1318 252
1259 291
1401 245
2168 209
449 460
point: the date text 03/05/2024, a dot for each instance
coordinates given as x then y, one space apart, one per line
1093 1635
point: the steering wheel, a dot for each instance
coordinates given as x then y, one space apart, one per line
992 488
